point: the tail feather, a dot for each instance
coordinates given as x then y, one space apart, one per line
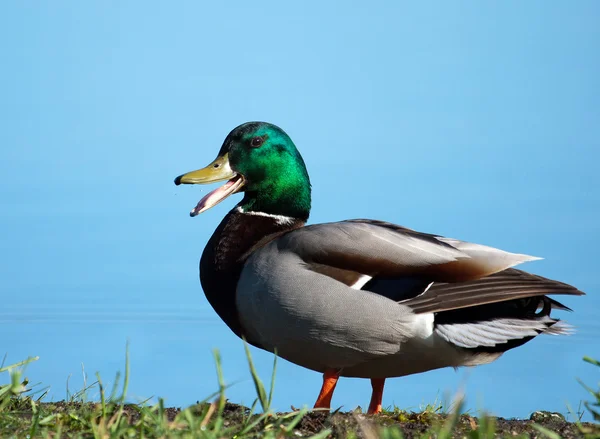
496 328
560 327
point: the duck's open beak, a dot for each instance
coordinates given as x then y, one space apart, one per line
218 170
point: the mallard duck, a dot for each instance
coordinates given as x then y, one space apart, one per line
356 298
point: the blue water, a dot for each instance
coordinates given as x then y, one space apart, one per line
474 121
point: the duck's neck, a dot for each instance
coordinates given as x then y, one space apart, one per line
238 235
287 198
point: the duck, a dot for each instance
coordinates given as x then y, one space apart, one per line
357 298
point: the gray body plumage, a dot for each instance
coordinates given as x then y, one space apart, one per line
298 295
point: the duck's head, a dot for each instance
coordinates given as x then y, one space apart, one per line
261 160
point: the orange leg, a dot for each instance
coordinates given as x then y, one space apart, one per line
376 396
330 379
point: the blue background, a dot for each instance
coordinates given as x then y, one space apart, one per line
471 120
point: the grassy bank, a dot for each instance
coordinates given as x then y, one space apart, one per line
24 413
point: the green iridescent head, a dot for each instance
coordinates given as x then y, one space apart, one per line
261 160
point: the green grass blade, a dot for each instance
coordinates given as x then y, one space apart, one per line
102 395
258 385
253 424
125 388
321 435
292 424
272 388
450 424
115 388
591 361
126 377
252 409
20 363
221 381
35 421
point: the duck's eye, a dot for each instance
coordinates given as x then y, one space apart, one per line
256 142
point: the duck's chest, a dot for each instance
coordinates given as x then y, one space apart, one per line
238 236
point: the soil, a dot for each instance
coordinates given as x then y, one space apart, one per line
412 425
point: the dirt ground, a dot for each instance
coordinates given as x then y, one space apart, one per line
358 425
411 424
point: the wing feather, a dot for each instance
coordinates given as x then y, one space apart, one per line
507 285
402 263
375 248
